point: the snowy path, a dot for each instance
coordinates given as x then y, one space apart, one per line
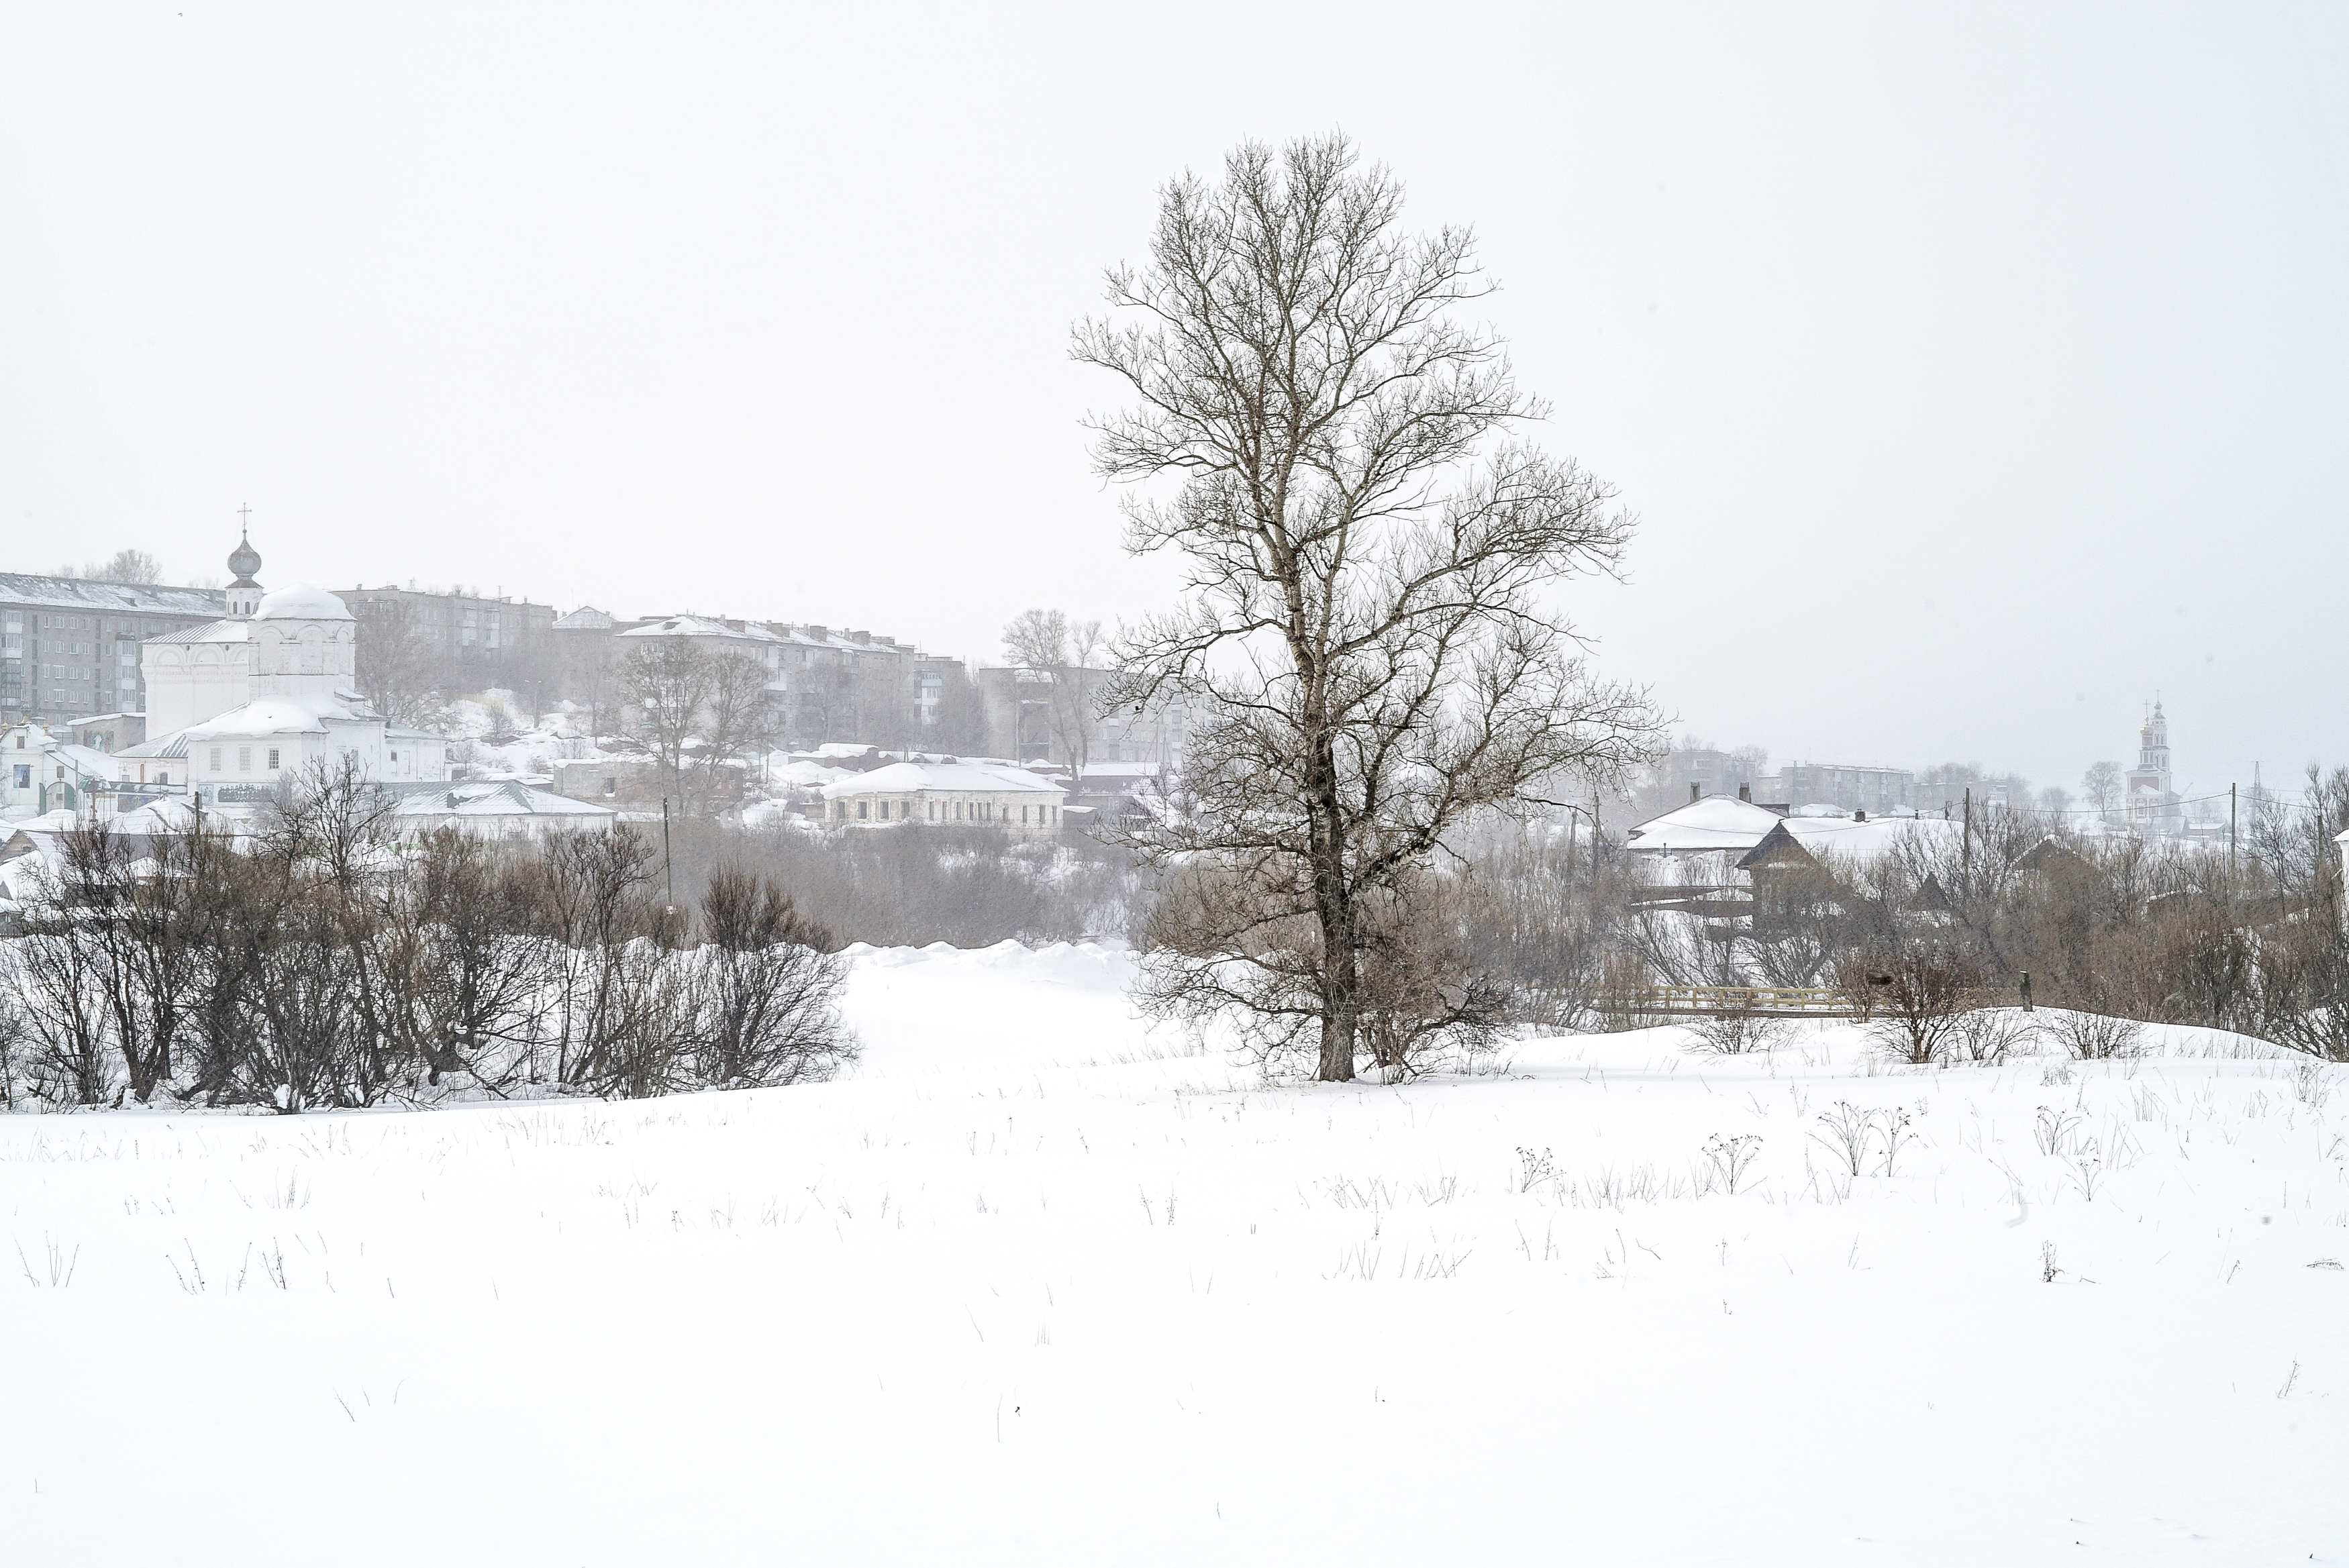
1033 1287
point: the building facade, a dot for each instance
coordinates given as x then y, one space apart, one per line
1844 786
1054 716
824 684
947 794
69 645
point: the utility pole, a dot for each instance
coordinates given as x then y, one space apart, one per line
1966 843
2230 840
668 865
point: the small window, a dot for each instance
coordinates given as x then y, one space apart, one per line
165 777
273 760
244 759
216 760
861 811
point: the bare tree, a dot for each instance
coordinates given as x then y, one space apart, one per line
122 566
665 685
398 666
736 718
1361 628
1058 653
2100 785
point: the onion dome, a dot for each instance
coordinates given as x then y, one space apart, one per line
244 559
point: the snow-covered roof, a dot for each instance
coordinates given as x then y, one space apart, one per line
270 716
172 814
211 632
1850 839
28 588
85 759
961 777
494 798
694 627
691 625
807 775
300 601
82 759
173 744
1715 823
587 618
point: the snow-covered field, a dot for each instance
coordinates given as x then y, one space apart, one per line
1034 1286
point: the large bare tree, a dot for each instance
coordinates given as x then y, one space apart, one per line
674 693
1363 626
1058 654
403 670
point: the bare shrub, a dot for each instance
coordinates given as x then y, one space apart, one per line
766 995
1914 992
1988 1034
1740 1033
2093 1036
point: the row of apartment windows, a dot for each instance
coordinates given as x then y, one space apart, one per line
244 758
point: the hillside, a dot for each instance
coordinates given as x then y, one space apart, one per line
1035 1286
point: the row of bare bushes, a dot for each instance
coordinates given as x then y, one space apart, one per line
319 961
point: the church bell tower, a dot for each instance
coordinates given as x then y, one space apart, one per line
244 594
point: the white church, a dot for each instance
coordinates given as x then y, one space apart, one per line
263 691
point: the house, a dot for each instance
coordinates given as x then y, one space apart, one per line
949 792
1708 823
1723 824
605 777
41 771
495 808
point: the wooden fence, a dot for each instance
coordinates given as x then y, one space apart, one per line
1732 1001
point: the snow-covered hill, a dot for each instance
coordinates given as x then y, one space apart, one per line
1037 1286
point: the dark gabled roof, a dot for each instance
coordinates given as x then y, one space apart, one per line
2048 854
1777 849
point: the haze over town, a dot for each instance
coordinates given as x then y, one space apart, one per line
1972 377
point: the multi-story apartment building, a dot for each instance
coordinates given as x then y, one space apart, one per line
1872 789
823 684
468 627
1053 716
69 645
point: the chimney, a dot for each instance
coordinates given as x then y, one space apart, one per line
1696 793
1745 793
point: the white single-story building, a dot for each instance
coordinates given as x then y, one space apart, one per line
496 808
42 771
946 792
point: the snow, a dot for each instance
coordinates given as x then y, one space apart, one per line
1036 1283
300 601
911 777
1715 823
269 716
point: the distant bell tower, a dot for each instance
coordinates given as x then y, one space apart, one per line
244 594
2153 747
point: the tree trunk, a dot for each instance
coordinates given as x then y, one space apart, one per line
1334 904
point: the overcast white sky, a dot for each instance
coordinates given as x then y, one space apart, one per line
1976 371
